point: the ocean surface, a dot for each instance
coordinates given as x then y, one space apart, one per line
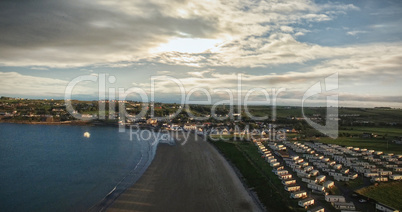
56 168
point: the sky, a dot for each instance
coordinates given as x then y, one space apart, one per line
206 47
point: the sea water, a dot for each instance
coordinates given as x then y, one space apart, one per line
56 168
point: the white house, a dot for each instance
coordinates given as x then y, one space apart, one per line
338 166
321 178
317 209
379 179
344 206
395 177
399 169
272 160
334 198
303 174
298 194
292 188
341 178
308 168
275 164
371 174
289 182
315 187
329 184
189 127
385 208
385 173
285 177
306 180
281 172
306 202
314 172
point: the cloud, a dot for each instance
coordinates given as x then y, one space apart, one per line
40 68
264 40
163 72
356 32
364 70
82 33
12 83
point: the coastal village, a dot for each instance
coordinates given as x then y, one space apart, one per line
317 174
311 172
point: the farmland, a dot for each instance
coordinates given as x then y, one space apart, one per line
387 193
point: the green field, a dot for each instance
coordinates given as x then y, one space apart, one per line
386 193
377 144
373 115
388 132
258 175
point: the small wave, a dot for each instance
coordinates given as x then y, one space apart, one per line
111 191
147 155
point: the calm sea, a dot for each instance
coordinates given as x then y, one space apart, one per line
55 168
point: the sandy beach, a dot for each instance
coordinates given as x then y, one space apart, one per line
190 177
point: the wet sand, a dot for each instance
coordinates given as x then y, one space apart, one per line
190 177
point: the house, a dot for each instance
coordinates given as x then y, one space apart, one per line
385 173
397 141
295 157
292 188
189 127
385 208
275 164
371 174
272 160
314 172
398 169
315 187
338 166
345 171
306 180
152 121
225 131
281 172
344 205
334 174
367 135
308 168
287 130
306 202
298 194
321 178
341 178
395 177
279 168
335 198
289 182
317 209
329 184
285 177
379 179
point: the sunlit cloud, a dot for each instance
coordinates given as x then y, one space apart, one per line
12 83
202 43
187 45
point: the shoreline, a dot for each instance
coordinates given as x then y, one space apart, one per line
64 123
129 180
236 171
200 152
190 177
